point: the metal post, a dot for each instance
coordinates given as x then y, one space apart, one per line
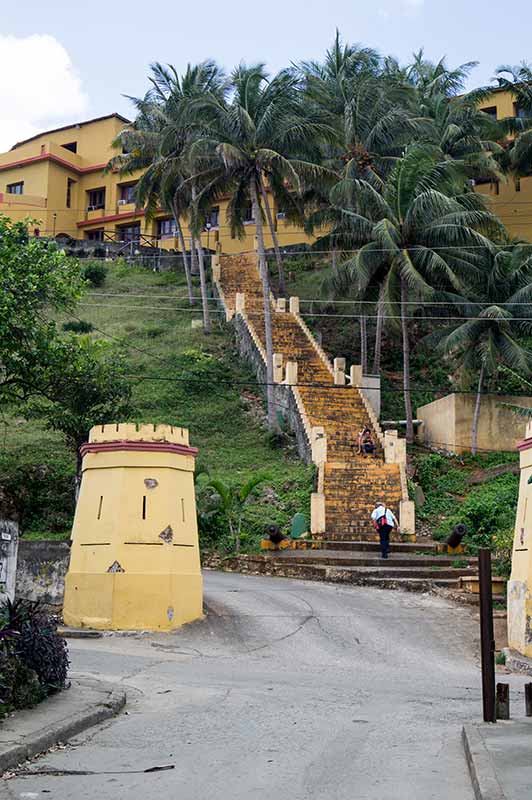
503 701
487 641
528 699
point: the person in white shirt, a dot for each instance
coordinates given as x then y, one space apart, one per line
384 521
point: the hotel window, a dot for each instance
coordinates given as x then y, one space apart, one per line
127 193
213 217
248 214
70 184
491 111
96 199
128 233
72 146
95 235
520 112
15 188
166 228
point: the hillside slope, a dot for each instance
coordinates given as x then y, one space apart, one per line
179 376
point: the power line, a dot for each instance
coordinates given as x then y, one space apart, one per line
310 315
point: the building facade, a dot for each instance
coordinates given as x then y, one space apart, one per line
511 199
58 179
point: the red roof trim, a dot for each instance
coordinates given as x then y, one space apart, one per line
154 447
110 218
23 162
526 444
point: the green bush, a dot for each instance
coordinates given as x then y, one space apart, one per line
40 487
503 545
487 511
78 326
95 272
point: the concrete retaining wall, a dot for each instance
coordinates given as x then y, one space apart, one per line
41 569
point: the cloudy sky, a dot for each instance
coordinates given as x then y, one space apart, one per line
62 63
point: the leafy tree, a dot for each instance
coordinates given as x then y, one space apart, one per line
84 385
492 333
157 144
233 500
35 278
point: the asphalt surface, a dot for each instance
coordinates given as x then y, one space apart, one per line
288 690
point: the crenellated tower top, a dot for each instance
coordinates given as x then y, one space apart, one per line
131 432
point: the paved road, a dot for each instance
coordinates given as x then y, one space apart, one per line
288 690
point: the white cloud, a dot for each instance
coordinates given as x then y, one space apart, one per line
39 87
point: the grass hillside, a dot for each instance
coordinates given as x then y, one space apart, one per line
179 376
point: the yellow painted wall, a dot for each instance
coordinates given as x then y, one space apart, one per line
447 422
520 583
135 556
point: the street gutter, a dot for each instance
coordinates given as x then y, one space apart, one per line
59 718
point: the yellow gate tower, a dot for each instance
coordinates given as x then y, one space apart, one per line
134 563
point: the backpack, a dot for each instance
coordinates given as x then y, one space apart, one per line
382 521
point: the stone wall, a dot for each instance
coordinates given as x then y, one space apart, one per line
283 394
41 569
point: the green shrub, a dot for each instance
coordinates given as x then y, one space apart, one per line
503 545
488 510
95 272
40 487
78 326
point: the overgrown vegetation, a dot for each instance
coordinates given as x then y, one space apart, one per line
177 376
487 509
33 657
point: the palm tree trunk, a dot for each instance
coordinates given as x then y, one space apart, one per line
270 397
203 285
476 413
406 363
363 345
182 244
378 338
278 257
193 258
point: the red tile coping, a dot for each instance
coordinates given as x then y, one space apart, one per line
123 444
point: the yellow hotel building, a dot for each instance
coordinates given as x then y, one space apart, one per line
57 178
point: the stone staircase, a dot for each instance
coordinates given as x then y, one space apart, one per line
332 412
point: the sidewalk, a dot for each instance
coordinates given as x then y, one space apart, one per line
86 703
500 759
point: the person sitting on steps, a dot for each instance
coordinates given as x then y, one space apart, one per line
384 521
366 445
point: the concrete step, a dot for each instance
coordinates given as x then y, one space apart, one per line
350 575
373 559
363 545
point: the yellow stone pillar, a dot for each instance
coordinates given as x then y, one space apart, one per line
520 583
134 562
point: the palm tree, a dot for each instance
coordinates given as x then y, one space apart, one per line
425 233
259 132
166 179
233 500
517 129
492 333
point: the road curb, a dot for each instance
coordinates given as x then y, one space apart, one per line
62 730
483 777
